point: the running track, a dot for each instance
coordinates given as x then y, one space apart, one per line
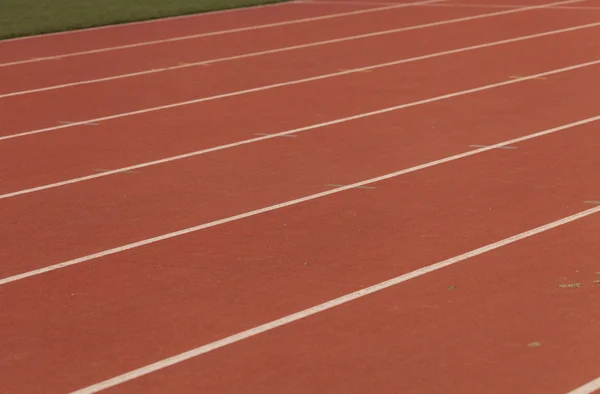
329 196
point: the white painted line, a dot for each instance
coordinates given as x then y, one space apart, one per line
459 5
83 124
209 347
125 172
502 147
592 202
145 22
289 203
325 76
445 5
359 187
268 52
518 76
220 32
283 133
263 134
588 388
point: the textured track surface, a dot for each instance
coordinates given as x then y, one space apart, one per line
108 273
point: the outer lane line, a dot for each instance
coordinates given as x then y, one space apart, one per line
462 5
445 5
218 33
310 79
283 133
272 51
588 388
289 203
179 358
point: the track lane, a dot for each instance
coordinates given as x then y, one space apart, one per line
174 67
195 65
90 328
511 2
124 95
471 327
128 207
454 3
127 310
57 44
586 5
78 68
39 159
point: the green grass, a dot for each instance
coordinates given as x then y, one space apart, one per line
27 17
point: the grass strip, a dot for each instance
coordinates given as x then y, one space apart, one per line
28 17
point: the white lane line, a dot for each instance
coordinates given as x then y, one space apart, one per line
289 203
209 347
83 124
320 77
263 134
144 22
217 33
459 5
503 147
124 172
340 185
288 132
267 52
446 5
588 388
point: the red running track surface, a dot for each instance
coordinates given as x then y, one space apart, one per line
501 321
